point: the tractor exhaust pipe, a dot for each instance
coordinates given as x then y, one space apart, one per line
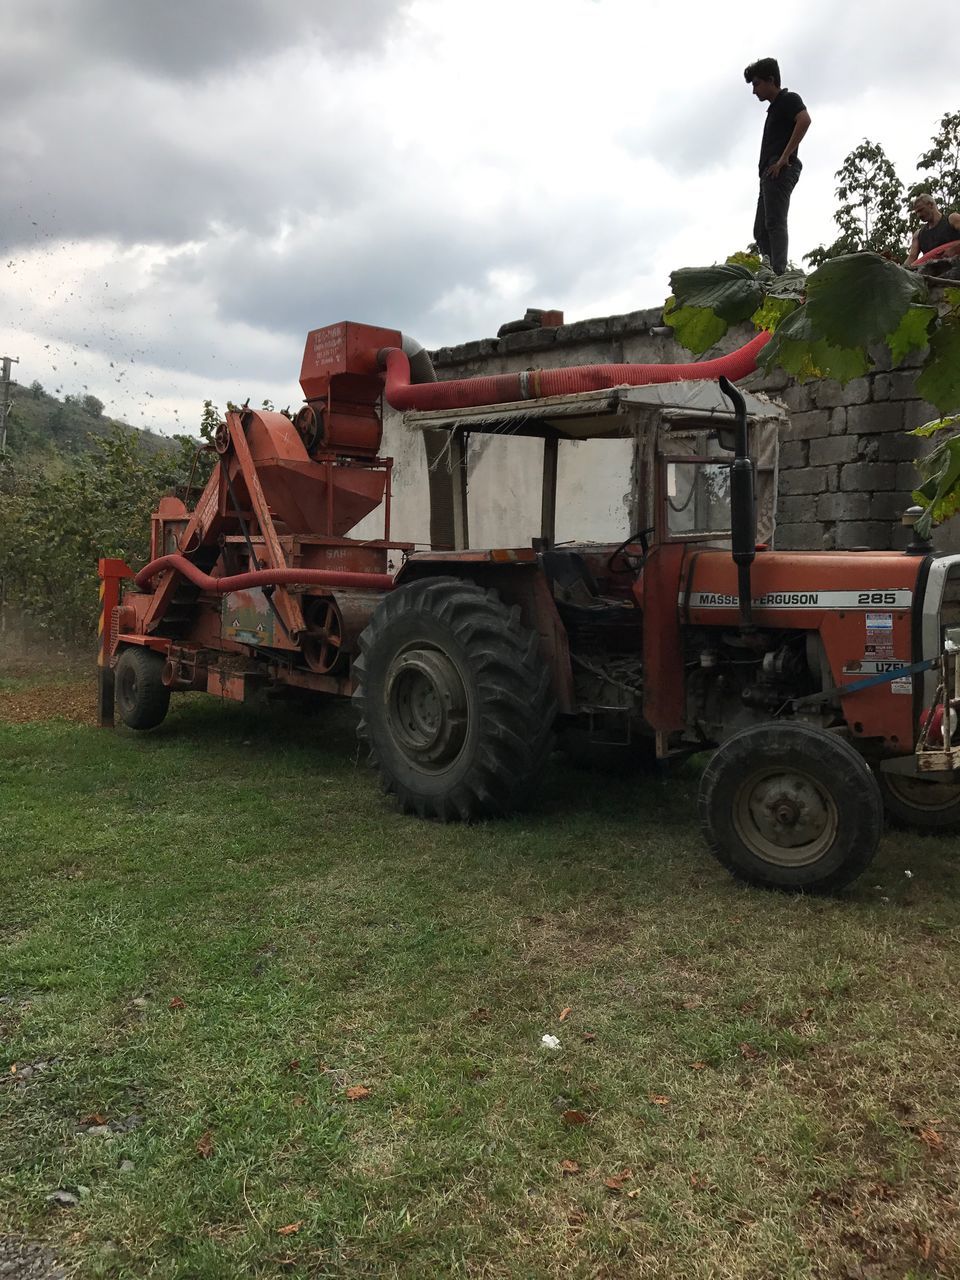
743 507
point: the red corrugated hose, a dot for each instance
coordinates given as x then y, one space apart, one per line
505 388
261 577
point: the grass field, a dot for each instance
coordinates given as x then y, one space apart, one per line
256 1023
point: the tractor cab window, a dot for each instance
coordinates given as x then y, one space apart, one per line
696 497
694 484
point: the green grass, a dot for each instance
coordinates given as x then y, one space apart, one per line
249 867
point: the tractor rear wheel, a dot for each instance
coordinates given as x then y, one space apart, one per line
787 806
914 802
141 696
455 701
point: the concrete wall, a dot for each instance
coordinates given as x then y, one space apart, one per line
846 464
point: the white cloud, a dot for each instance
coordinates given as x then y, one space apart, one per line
189 189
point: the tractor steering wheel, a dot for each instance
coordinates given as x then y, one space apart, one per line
631 564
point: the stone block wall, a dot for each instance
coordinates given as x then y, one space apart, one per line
846 463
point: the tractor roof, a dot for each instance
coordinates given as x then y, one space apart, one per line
591 415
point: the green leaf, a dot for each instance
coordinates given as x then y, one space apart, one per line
938 424
772 314
695 328
792 284
911 333
748 260
794 349
939 380
940 490
728 290
858 299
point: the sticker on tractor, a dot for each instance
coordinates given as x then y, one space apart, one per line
904 684
879 621
872 668
898 599
247 617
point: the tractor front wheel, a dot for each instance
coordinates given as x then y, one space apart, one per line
788 806
141 696
455 701
915 802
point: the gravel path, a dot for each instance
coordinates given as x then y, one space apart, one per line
27 1260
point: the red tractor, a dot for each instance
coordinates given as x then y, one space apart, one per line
825 684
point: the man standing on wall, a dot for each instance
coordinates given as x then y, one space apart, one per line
786 123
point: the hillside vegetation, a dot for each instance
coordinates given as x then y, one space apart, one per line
75 485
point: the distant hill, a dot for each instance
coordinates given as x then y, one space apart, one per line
41 426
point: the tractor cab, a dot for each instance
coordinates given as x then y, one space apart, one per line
675 446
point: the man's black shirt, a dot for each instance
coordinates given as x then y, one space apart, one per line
778 126
932 237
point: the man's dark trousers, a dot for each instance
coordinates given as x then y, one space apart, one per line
773 205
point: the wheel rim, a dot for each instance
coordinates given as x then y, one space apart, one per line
428 707
786 817
127 687
929 797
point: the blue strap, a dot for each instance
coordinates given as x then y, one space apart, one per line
841 691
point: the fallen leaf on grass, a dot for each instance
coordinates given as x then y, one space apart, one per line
299 1100
589 1037
357 1092
205 1145
575 1117
748 1051
924 1244
615 1183
178 1003
930 1138
632 1195
565 1014
293 1066
291 1229
659 1099
568 1167
480 1015
698 1066
94 1118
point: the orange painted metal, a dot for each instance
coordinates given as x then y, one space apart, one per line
341 380
860 605
664 700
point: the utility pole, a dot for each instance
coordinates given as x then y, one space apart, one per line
5 363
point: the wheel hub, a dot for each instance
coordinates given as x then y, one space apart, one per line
428 707
786 817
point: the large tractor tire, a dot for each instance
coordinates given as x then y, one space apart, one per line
924 806
142 698
455 701
787 806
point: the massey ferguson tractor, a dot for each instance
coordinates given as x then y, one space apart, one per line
824 684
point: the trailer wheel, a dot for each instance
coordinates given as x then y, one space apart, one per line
142 697
788 806
455 702
914 802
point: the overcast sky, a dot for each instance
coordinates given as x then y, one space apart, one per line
189 186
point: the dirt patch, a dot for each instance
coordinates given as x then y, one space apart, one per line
73 700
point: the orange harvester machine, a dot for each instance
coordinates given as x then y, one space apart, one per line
263 559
